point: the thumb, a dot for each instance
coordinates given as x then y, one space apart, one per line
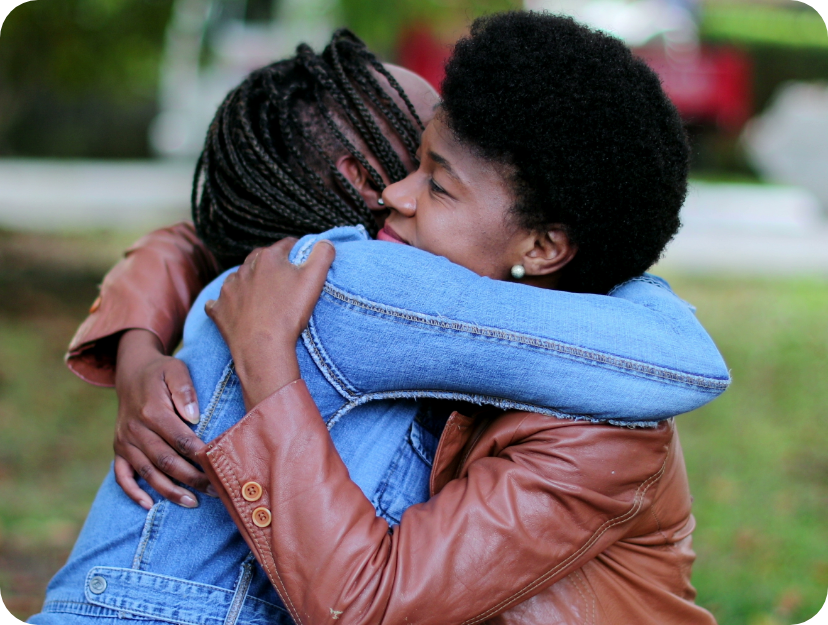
180 386
319 261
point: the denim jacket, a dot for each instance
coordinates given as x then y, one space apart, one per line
424 328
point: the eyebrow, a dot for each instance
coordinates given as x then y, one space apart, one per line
443 162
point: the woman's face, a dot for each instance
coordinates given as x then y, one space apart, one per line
455 205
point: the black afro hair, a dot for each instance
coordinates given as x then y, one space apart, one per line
593 141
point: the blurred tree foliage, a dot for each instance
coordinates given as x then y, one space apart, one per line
380 22
78 77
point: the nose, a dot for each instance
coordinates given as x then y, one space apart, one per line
400 196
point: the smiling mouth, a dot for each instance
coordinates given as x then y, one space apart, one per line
387 234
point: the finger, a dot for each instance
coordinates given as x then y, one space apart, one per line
319 261
323 252
155 472
250 261
180 386
166 447
125 477
284 244
281 249
253 254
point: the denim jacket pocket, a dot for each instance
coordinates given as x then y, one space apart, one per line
406 482
138 594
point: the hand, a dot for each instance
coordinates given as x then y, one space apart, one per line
263 309
155 393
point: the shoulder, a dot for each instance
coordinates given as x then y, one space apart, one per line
610 460
592 438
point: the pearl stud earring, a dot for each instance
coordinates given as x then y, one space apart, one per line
518 271
381 202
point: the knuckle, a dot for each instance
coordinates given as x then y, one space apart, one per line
145 471
134 427
187 392
165 462
184 444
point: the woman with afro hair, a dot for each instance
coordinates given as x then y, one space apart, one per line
554 160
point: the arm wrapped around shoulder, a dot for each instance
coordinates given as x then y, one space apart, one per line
151 288
520 502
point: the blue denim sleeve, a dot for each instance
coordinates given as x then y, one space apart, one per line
394 321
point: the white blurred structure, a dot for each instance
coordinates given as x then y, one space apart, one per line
728 228
788 143
636 22
55 195
210 47
745 229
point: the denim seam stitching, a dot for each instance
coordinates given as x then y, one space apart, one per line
147 534
240 593
324 362
481 400
638 502
215 400
85 609
221 460
395 463
597 358
417 445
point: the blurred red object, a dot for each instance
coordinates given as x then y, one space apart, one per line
711 87
422 52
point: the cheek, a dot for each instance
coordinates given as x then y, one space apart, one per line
477 247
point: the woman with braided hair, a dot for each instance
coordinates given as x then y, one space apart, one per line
270 167
113 589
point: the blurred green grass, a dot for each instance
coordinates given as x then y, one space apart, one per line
757 457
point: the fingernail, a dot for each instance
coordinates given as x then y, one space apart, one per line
191 413
146 504
211 491
188 502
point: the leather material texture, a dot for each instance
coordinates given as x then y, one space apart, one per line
151 288
532 519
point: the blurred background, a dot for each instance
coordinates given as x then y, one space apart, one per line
104 106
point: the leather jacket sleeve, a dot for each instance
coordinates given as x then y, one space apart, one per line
151 288
530 500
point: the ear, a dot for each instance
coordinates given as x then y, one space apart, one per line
358 176
550 252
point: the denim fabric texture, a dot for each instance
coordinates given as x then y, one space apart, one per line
393 324
426 327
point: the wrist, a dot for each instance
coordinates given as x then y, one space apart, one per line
263 373
135 349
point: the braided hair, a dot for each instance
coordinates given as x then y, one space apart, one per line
268 168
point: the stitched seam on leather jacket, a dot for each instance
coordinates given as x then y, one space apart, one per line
577 580
265 553
636 507
672 375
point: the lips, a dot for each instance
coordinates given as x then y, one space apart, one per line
387 234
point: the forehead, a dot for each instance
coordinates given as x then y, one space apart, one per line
481 180
421 94
465 161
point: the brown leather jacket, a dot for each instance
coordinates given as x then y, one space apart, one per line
152 288
533 519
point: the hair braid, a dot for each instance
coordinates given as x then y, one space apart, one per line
372 134
262 173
